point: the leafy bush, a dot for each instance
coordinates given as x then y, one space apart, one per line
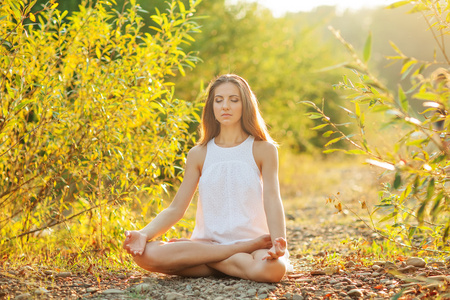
90 131
415 204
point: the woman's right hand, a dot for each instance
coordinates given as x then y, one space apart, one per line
135 242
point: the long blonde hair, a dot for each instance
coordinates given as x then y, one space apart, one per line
251 121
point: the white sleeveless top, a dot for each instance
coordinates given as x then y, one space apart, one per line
230 206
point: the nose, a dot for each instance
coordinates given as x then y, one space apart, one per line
226 105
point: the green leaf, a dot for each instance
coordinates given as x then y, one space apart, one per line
328 133
356 151
446 233
388 217
313 115
319 127
430 189
402 99
397 181
368 47
421 212
411 231
332 150
23 104
333 141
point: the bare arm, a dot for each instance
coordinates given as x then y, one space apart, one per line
176 210
271 193
266 156
136 241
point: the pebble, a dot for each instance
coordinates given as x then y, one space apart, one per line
23 296
262 296
416 262
350 264
49 272
64 274
91 290
174 296
297 297
251 292
318 272
355 293
440 278
112 291
144 287
389 265
41 291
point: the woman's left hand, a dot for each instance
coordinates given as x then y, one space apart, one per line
278 249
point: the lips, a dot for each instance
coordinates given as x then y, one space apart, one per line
226 115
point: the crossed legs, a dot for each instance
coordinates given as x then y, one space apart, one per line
247 260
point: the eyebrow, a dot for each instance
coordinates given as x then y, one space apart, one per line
230 96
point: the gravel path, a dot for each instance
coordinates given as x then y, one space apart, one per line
315 276
325 252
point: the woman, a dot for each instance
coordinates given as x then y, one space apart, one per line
240 227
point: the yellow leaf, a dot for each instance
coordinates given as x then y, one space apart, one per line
32 17
54 6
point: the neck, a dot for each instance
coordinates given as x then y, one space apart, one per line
230 138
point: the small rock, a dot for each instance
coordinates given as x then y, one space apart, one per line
288 296
438 264
263 290
49 272
350 264
41 291
440 278
262 296
251 292
416 262
408 269
174 296
297 297
355 293
303 280
64 274
376 267
112 291
143 287
318 272
91 290
389 265
23 296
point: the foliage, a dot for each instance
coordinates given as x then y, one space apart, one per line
415 205
91 135
280 57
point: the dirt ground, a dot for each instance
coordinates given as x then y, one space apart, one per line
324 250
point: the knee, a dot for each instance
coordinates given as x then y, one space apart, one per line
271 272
151 259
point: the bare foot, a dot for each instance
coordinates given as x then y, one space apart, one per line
278 250
135 242
262 242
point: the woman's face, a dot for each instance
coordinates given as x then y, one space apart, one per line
227 104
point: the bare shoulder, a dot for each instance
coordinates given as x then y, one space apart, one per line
196 156
265 148
264 151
